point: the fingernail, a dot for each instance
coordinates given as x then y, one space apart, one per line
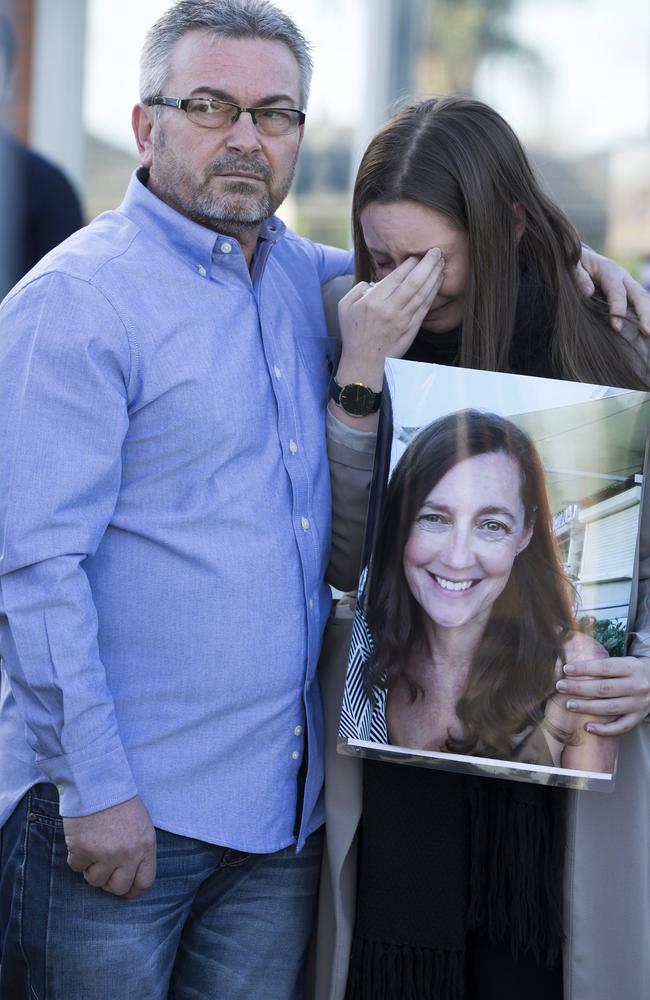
561 685
590 728
569 668
572 705
617 325
435 252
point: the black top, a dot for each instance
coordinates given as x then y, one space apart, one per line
38 209
434 348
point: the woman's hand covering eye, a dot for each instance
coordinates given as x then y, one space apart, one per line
381 320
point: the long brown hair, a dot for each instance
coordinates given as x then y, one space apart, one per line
459 157
512 672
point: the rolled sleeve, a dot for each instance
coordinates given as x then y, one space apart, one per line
65 364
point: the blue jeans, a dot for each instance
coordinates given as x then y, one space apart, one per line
216 924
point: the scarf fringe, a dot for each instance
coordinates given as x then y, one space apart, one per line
381 971
515 886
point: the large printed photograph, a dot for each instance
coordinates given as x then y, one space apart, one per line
502 548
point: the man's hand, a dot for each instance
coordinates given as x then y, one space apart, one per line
617 688
114 848
619 288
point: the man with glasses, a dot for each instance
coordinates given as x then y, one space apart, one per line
165 502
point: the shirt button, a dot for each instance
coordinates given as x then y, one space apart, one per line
202 271
297 731
293 447
277 372
305 523
226 247
295 755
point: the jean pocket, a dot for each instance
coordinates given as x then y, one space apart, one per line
43 806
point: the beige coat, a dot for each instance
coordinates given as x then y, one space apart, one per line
607 876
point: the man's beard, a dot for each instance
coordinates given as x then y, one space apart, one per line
242 206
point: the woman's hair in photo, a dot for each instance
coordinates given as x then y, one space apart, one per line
460 158
512 672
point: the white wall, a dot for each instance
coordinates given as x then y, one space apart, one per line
57 84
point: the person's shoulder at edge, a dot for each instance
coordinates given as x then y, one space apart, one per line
46 179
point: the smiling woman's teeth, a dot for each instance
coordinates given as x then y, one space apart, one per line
453 584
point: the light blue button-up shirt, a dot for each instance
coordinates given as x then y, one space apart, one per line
165 519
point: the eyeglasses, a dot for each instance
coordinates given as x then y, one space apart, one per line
211 113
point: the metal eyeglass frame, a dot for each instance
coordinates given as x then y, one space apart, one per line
183 102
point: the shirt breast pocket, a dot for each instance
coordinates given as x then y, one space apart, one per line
319 357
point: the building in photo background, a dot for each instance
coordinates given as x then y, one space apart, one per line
596 506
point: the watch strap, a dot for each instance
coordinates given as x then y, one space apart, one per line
355 398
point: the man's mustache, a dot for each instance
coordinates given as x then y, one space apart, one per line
237 164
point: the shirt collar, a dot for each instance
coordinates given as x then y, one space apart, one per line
272 229
193 242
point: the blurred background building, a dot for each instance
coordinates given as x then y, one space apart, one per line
571 76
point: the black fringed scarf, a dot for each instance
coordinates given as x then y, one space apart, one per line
444 857
449 856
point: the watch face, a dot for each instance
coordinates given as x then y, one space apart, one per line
358 399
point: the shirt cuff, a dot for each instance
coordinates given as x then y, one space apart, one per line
90 784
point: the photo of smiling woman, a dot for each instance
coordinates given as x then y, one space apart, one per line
470 611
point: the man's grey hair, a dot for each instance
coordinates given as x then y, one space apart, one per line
225 19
